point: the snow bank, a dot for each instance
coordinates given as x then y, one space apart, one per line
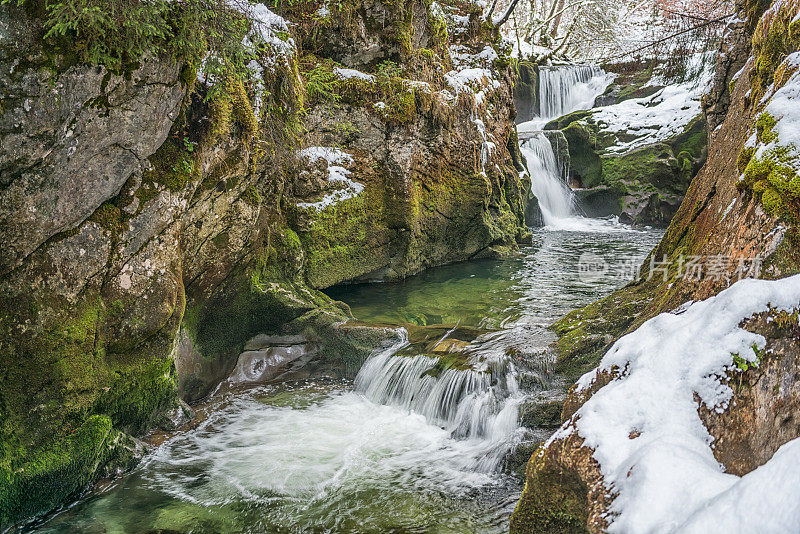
337 176
666 476
660 116
654 118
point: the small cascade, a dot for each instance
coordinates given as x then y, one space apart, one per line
549 179
565 89
474 404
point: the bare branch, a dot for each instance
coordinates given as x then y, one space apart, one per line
667 38
488 15
505 17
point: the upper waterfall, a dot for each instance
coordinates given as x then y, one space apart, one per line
563 89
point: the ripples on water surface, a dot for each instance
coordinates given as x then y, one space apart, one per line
329 457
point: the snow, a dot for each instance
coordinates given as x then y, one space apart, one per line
333 155
337 176
783 105
471 80
437 11
654 118
265 26
667 479
462 57
728 209
764 500
352 73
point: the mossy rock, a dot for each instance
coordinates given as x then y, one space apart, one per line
553 502
61 469
585 163
654 165
535 414
568 119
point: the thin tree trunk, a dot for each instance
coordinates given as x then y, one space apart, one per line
557 20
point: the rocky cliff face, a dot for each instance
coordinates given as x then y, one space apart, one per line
739 218
154 231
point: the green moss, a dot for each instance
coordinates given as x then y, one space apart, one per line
251 196
585 163
765 128
56 471
774 38
231 113
584 335
110 217
172 167
744 158
554 500
139 395
772 175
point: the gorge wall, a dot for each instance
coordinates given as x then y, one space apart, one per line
739 219
158 220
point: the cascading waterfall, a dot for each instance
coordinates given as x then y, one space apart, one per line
549 179
478 404
561 90
565 89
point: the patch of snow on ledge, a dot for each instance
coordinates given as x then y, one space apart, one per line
337 176
352 73
667 478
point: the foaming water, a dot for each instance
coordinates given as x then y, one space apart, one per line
340 464
548 179
476 404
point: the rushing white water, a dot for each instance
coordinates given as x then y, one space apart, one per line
477 404
549 180
566 89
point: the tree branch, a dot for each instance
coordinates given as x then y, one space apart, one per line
505 17
667 38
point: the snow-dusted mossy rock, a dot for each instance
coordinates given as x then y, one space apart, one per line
740 213
426 168
683 426
157 218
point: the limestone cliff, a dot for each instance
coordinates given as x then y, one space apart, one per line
158 221
739 218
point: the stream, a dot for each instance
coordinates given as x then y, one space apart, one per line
418 441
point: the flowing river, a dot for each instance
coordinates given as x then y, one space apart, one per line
418 441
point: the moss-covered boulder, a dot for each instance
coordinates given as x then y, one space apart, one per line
526 96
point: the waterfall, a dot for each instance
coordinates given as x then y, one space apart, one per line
561 90
566 89
476 404
549 179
